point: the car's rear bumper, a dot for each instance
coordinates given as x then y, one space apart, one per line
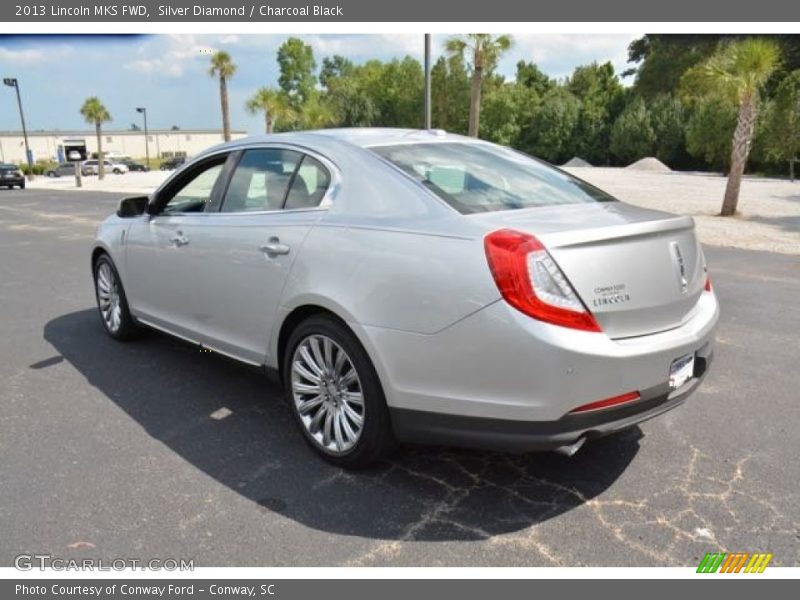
416 426
498 364
12 181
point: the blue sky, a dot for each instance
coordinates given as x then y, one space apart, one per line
168 73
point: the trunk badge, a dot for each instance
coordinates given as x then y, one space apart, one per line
680 266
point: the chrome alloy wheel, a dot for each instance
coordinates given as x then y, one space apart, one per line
327 394
108 297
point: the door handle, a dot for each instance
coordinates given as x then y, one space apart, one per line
179 239
274 247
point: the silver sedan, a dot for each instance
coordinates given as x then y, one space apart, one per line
416 286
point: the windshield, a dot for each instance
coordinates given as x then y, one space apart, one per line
474 177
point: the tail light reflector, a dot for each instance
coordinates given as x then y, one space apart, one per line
529 280
607 403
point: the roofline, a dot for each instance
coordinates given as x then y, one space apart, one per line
359 137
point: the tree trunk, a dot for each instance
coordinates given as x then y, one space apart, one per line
223 100
269 120
475 102
742 138
791 169
101 165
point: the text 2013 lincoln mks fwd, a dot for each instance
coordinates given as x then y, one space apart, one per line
417 286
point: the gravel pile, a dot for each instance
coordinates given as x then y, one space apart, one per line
576 161
650 163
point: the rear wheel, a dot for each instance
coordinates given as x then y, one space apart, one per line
335 395
111 301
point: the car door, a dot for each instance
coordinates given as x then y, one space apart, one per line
163 253
250 245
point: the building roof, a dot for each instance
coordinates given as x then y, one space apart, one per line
92 133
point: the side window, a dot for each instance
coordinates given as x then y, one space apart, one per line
195 194
309 185
260 180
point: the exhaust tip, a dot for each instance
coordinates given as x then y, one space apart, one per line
570 450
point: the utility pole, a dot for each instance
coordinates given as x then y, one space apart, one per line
427 81
142 110
12 82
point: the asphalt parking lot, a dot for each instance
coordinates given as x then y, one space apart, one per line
111 450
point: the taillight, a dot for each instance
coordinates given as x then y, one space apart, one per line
608 402
708 283
530 281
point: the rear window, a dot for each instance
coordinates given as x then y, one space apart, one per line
475 178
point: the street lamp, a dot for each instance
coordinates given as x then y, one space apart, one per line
143 111
427 81
12 82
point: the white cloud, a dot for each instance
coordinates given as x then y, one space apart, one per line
366 45
24 56
558 54
181 51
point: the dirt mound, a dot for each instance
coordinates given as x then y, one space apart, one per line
650 163
576 161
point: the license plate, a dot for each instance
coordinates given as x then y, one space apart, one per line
681 370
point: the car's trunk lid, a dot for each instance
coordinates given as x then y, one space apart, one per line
638 271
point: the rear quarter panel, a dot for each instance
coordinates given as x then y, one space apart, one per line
383 277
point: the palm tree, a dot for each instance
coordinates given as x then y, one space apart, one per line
738 71
315 113
94 112
275 106
482 51
222 66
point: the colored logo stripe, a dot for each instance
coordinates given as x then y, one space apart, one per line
758 563
711 562
734 562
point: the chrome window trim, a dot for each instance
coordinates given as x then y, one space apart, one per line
243 213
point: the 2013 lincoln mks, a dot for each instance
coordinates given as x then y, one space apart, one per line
416 286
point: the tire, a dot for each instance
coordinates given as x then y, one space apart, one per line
22 186
51 174
374 440
115 315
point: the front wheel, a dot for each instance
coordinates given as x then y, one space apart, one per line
111 301
335 395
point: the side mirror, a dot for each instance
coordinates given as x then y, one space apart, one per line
133 206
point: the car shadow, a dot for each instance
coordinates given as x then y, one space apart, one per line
229 421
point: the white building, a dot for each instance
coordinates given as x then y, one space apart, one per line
162 143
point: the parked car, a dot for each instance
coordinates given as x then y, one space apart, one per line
11 176
133 165
93 166
415 286
67 169
168 164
